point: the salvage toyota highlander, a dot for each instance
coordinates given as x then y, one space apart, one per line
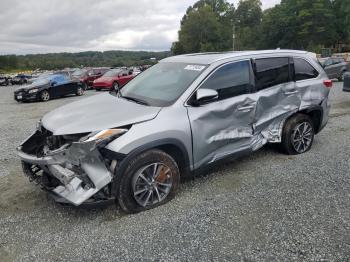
180 115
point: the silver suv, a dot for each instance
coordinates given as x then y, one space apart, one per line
180 115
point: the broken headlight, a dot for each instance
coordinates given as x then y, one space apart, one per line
104 136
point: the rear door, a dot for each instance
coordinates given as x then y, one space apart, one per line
224 127
277 95
57 86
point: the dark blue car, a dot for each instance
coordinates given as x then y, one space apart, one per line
51 86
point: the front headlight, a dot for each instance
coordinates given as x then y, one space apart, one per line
31 91
104 135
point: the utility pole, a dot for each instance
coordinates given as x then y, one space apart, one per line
233 38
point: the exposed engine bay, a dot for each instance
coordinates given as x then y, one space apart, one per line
74 167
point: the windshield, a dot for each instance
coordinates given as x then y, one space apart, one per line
41 81
112 73
79 72
162 84
322 61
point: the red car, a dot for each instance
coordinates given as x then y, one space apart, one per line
87 75
113 79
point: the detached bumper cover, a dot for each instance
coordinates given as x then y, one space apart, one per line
63 163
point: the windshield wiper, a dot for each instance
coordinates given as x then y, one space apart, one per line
136 100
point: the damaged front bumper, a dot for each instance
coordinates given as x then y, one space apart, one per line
74 172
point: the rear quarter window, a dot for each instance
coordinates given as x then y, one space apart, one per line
304 70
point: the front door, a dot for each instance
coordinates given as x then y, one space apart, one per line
225 126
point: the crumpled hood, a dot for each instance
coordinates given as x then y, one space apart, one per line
96 113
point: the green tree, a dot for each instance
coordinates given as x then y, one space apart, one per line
248 18
342 20
206 26
299 24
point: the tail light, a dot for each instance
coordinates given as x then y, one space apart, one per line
328 83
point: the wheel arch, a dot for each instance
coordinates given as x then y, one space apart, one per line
171 146
316 115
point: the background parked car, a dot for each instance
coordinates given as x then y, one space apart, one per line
4 81
45 88
113 79
335 67
20 79
346 85
87 75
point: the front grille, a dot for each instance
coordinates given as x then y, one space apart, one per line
44 140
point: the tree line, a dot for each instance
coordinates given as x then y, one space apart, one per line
310 25
73 60
209 25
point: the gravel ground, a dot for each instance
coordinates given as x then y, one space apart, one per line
266 206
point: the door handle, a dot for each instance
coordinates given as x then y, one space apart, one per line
246 108
291 92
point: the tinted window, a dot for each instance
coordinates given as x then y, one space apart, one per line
59 79
271 71
230 80
303 70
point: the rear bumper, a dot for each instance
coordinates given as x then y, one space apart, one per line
77 167
326 105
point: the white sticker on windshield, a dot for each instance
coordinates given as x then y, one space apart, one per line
195 67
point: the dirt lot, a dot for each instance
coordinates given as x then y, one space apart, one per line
266 206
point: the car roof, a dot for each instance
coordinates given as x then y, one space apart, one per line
209 58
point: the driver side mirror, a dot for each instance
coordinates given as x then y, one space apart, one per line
204 96
53 83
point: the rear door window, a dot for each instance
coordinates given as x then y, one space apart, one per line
230 80
271 71
304 70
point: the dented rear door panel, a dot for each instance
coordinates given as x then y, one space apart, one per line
274 105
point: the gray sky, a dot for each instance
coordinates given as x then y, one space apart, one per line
42 26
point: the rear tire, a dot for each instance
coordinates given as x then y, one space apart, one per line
80 91
151 179
297 135
115 86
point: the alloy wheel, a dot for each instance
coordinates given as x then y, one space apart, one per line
115 86
45 96
152 184
80 91
342 77
302 136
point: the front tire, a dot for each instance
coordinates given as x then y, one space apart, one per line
342 76
151 179
45 96
298 135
